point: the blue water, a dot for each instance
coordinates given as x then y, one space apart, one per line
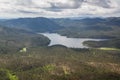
57 39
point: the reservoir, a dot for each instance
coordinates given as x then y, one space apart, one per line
57 39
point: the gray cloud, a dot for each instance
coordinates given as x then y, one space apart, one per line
101 3
58 8
27 12
71 4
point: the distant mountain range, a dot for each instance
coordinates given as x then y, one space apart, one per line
17 33
39 24
71 27
90 27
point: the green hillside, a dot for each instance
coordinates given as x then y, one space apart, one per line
11 38
39 24
90 27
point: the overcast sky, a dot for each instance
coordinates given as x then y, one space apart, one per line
59 8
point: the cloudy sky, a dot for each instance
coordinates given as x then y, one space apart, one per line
59 8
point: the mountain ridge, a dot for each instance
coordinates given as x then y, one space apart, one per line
70 27
32 24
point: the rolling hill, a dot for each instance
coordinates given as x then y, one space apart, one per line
70 27
108 28
90 27
13 39
38 24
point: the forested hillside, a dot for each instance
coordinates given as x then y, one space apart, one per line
86 27
39 24
90 27
11 38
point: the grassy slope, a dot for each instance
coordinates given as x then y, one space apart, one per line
61 63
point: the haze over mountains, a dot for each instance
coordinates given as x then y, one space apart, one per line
86 27
39 24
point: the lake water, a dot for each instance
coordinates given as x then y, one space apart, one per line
57 39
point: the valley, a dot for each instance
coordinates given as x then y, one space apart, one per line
96 28
59 39
27 55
